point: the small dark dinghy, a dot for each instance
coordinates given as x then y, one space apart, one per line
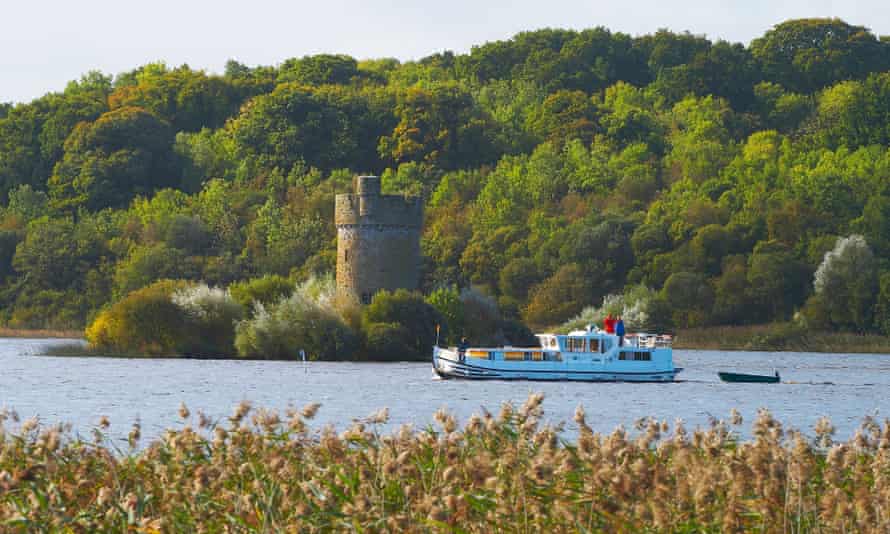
741 377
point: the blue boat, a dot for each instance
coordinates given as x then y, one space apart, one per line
590 355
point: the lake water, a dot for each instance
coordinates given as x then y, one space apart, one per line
80 390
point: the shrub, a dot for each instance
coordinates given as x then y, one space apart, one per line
690 296
559 297
146 321
847 281
147 264
387 341
409 310
212 314
882 308
307 320
633 307
266 290
474 315
482 318
517 334
446 301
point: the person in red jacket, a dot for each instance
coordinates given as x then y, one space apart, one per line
609 324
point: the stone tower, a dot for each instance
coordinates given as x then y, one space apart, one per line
378 240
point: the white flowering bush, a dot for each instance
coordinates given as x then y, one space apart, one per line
308 320
846 283
206 303
212 314
632 306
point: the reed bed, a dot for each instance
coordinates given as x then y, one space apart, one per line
260 471
779 337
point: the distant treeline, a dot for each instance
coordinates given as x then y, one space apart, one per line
558 167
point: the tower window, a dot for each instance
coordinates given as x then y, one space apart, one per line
346 255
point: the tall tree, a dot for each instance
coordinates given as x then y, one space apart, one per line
124 153
806 55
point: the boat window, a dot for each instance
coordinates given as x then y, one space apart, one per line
574 344
642 356
606 344
552 357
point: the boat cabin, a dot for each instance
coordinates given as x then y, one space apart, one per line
588 345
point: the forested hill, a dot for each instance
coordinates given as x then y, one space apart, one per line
557 167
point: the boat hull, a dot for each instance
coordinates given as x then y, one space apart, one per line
746 378
448 366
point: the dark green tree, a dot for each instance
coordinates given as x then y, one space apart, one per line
806 55
124 153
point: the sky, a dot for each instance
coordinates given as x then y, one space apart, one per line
46 43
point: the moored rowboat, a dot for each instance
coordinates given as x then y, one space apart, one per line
742 377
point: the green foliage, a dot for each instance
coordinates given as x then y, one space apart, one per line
442 126
559 297
187 99
777 280
212 314
408 310
809 54
557 167
690 297
319 70
307 320
279 241
323 127
265 290
390 342
847 282
24 205
125 153
146 321
55 253
145 265
447 302
634 307
882 308
855 113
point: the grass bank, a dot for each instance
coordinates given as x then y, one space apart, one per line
262 471
40 334
779 337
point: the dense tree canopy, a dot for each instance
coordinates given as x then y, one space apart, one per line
557 167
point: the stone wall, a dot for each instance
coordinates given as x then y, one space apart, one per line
378 240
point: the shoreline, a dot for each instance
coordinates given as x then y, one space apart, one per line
40 333
782 337
759 338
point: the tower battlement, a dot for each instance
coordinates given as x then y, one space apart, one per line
378 240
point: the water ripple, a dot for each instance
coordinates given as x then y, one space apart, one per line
79 390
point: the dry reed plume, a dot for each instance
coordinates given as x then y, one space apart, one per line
261 471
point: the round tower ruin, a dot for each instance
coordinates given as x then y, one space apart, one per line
378 240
